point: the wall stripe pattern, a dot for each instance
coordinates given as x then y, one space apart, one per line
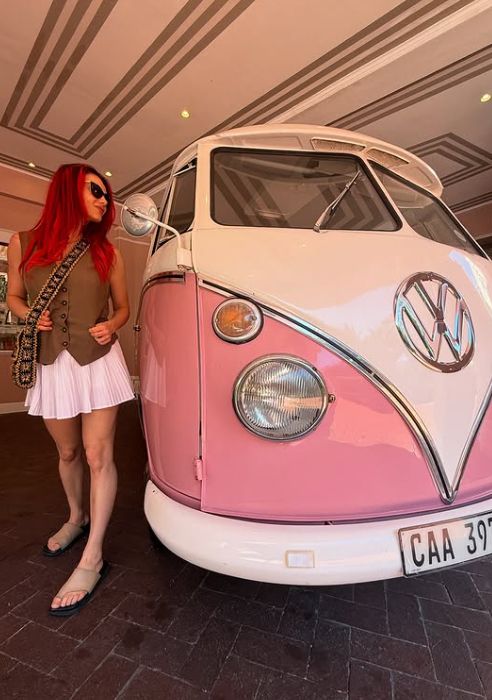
69 30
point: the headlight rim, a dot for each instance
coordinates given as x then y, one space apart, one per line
326 396
245 338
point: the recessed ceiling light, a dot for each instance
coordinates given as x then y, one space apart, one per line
185 114
486 98
108 173
31 164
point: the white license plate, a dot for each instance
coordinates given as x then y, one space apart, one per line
438 545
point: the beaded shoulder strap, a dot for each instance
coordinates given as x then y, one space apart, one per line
26 350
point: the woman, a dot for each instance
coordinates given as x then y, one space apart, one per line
81 375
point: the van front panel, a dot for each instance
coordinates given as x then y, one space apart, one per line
361 461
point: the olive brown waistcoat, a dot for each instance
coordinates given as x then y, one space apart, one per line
81 303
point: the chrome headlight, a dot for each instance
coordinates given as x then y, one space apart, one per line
280 397
237 320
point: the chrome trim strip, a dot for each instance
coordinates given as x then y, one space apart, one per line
159 278
414 422
170 276
471 438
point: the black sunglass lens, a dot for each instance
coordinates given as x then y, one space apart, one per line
97 192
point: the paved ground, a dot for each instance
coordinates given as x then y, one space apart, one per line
161 628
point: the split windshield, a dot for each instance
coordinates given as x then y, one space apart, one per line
288 190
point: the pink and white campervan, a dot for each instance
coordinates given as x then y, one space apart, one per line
315 362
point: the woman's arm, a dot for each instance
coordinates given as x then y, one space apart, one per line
119 294
102 332
16 291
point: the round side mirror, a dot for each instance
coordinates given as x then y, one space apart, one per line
138 215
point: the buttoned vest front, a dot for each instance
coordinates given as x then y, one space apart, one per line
81 303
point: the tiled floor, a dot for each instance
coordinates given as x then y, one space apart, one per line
161 628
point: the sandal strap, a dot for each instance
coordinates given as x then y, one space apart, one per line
80 580
67 534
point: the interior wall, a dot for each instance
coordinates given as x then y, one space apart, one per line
478 221
21 201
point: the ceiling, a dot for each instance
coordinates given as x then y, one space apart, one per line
105 81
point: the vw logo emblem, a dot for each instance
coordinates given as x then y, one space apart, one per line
434 322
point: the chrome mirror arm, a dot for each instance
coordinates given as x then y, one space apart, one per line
183 255
156 222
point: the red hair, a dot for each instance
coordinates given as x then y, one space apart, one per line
63 213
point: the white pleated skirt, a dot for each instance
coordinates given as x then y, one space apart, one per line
65 388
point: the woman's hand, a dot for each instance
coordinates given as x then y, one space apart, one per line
102 332
44 322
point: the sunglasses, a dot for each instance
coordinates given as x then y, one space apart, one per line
97 191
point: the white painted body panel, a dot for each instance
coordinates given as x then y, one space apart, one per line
344 284
164 259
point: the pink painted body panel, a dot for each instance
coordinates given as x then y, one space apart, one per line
170 386
361 461
477 477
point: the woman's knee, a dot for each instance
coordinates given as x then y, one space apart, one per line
69 453
98 457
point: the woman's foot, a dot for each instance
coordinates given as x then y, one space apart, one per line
79 586
66 536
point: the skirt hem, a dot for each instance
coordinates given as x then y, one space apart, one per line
66 389
85 412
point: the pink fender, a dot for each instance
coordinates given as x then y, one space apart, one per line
170 384
362 460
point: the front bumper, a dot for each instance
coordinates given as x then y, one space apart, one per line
291 554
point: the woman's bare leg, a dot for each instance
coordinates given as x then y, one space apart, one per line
67 435
98 429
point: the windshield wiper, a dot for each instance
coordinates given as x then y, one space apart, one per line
325 215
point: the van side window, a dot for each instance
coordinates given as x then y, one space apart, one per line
181 211
424 213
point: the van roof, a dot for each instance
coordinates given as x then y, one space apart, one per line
307 137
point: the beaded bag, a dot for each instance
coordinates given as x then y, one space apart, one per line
25 354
